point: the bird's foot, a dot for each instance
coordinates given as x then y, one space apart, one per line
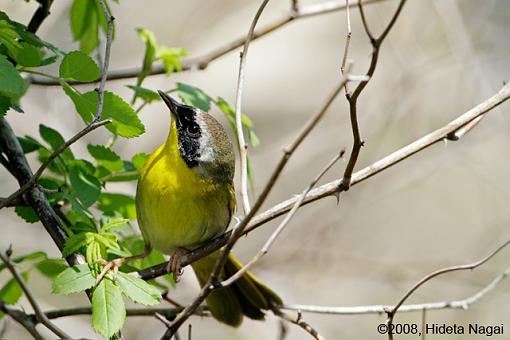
114 264
174 265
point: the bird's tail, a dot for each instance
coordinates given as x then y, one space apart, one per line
247 296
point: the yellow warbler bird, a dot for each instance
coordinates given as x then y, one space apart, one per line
185 197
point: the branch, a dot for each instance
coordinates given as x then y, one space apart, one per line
334 187
21 318
38 312
298 321
380 309
203 61
40 14
391 313
243 147
353 98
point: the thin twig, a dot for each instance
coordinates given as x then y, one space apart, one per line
106 60
243 147
391 313
33 179
41 317
380 309
353 98
347 43
21 318
203 61
282 225
298 320
334 187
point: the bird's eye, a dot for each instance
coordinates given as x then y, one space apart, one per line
193 130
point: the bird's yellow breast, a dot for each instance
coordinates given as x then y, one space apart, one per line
177 207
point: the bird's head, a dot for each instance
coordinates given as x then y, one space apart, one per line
202 141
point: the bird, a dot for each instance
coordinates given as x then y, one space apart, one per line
185 197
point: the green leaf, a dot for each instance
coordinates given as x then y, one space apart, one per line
144 93
171 58
11 292
78 66
5 104
84 24
84 108
150 52
117 223
86 186
77 207
28 55
108 309
11 83
28 144
254 139
138 290
194 96
51 268
123 204
106 157
139 160
76 242
73 280
27 213
55 140
125 121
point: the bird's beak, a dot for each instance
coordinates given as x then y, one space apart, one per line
172 104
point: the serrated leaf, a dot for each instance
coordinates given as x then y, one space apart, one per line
73 279
77 207
11 83
75 243
106 157
115 224
146 94
78 66
138 290
125 120
86 186
55 140
51 268
27 213
108 309
108 240
194 96
84 108
113 202
139 160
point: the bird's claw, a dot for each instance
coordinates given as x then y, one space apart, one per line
174 265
